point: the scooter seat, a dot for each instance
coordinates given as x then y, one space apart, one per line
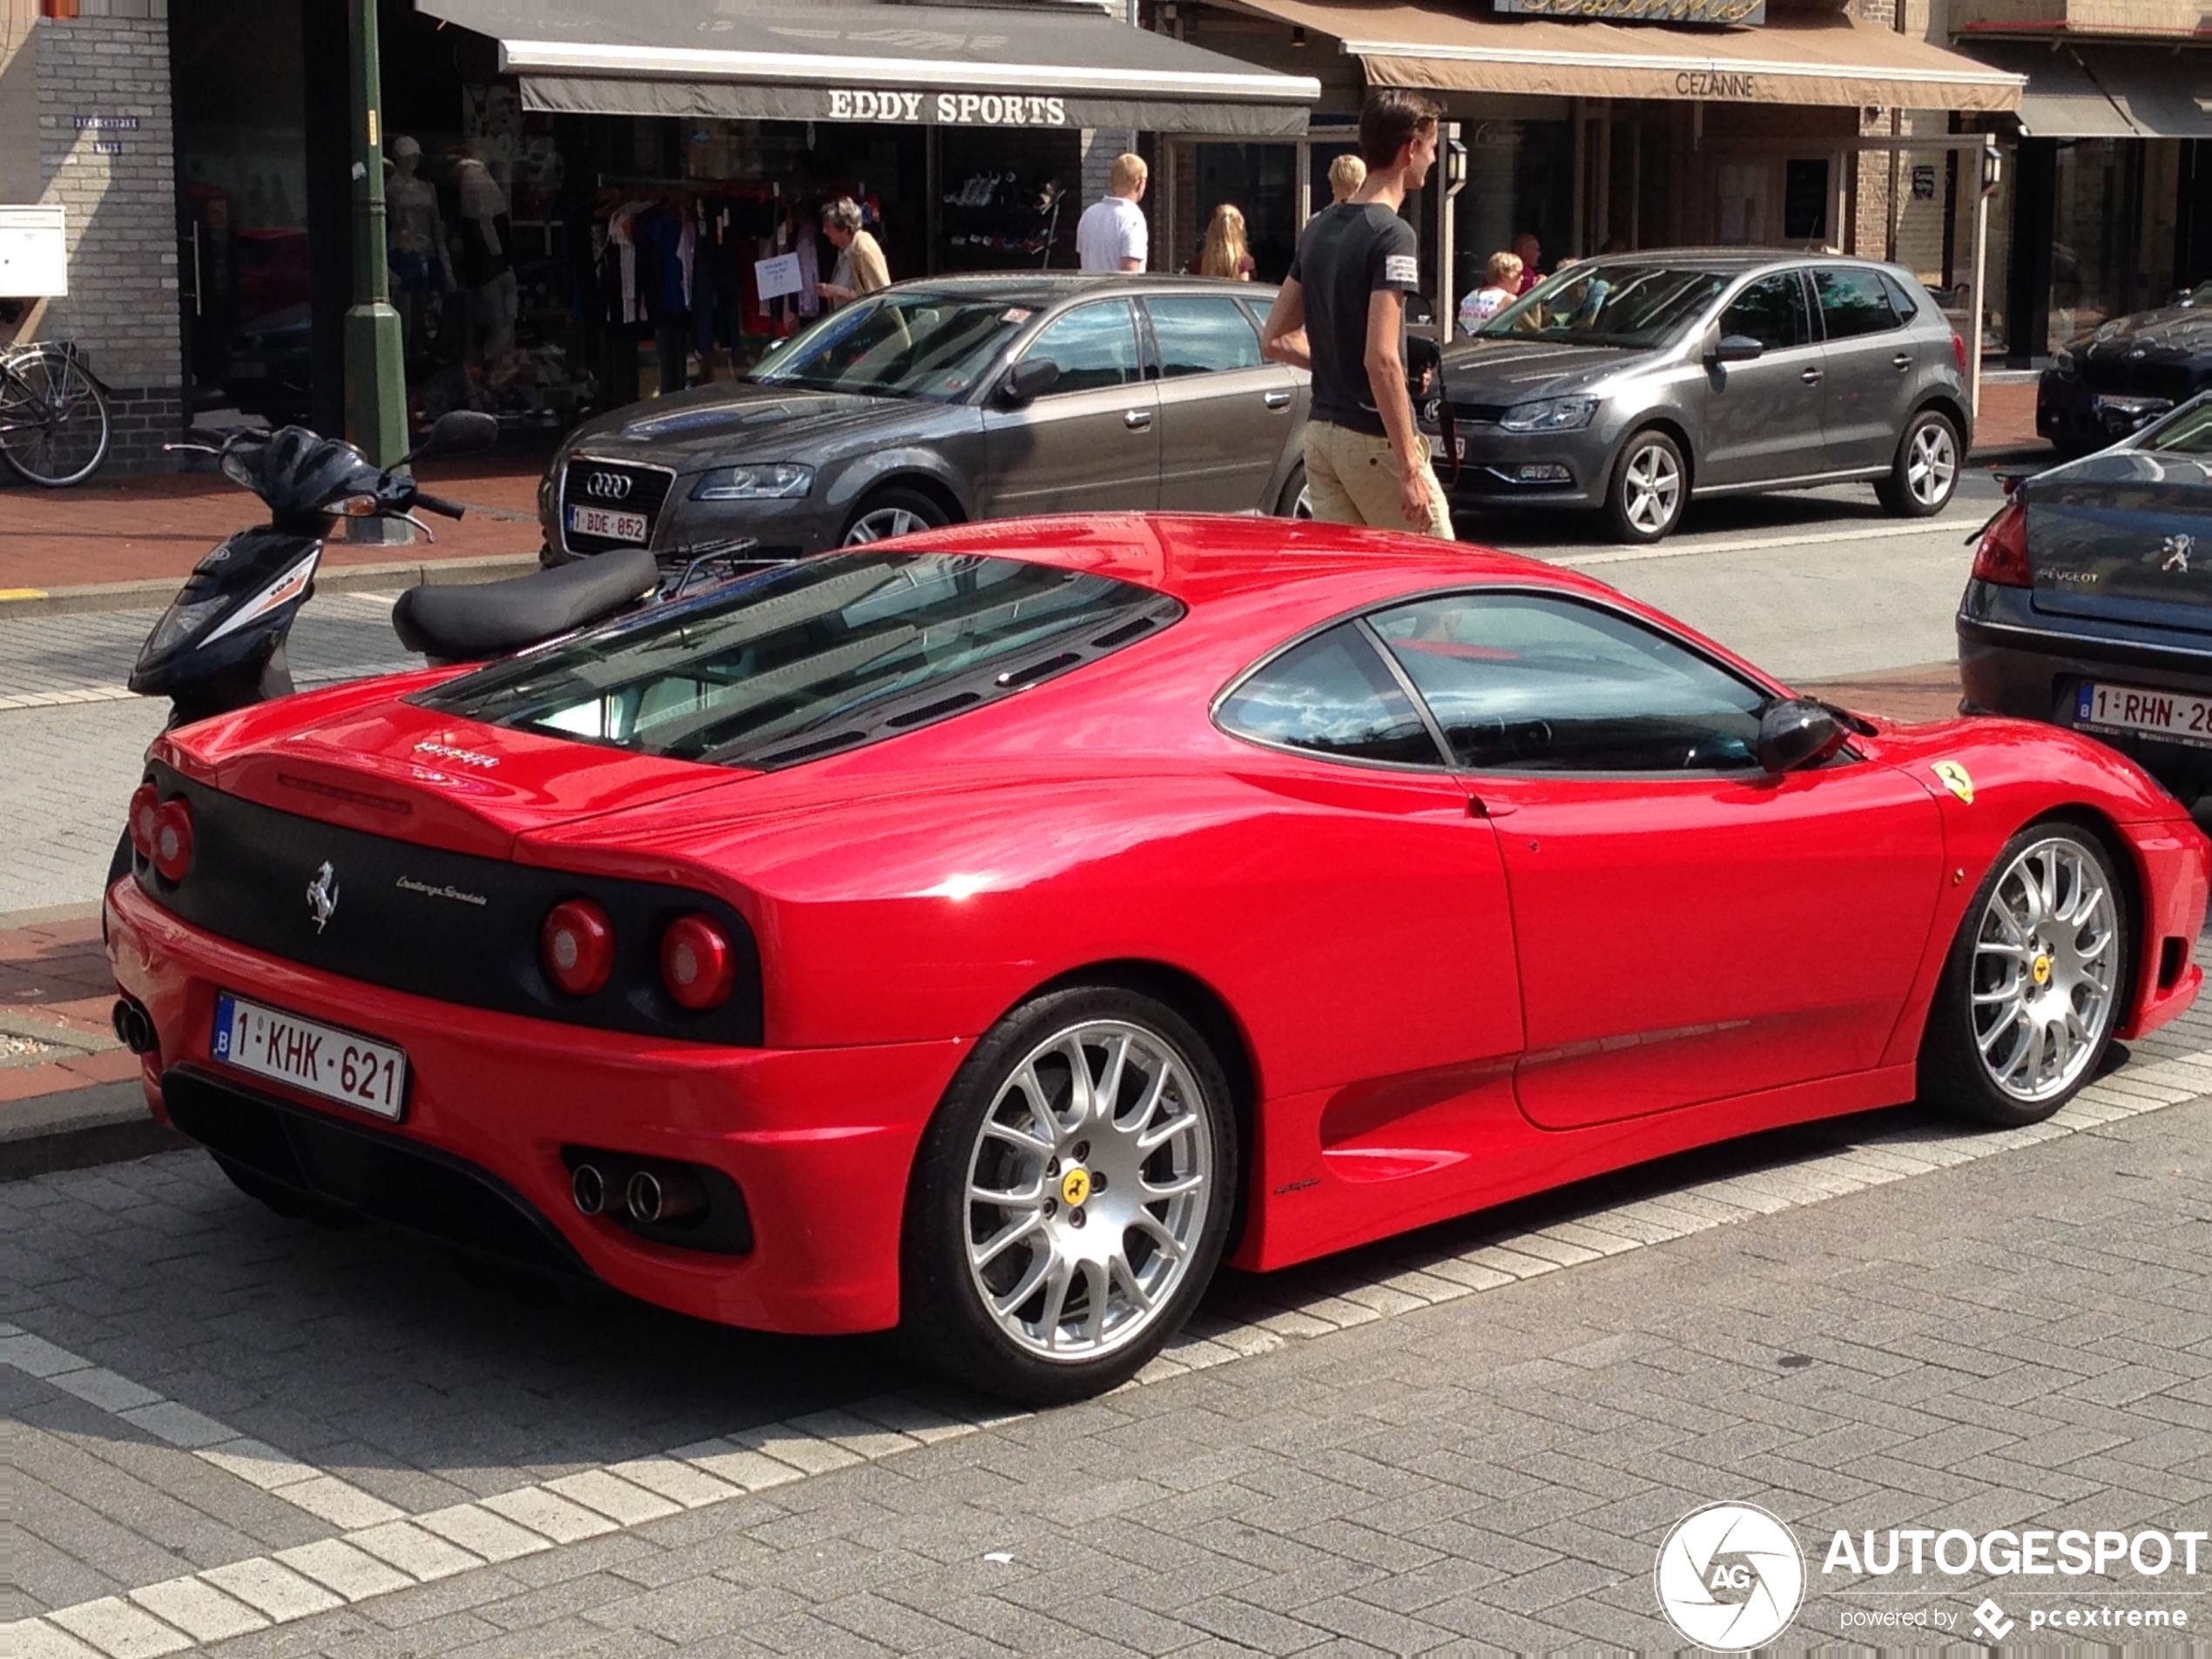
455 624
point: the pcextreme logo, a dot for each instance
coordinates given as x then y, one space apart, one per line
1729 1577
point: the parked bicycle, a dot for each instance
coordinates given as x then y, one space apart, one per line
54 423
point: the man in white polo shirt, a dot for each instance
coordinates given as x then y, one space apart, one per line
1112 235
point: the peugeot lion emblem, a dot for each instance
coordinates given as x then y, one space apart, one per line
608 486
2177 550
322 896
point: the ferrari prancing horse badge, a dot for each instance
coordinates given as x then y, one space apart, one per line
1955 779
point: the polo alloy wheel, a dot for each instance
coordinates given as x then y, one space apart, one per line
1072 1197
1925 471
1649 484
2036 982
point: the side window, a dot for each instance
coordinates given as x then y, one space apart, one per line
1331 695
1197 335
1093 345
1852 303
1903 300
1524 683
1771 310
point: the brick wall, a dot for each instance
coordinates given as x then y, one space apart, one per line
113 59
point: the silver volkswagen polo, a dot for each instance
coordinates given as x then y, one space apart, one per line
1633 383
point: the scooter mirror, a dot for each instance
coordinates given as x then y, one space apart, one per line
457 432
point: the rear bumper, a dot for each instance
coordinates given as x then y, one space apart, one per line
819 1143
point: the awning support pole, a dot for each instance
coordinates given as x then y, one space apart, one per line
1975 312
376 377
1302 193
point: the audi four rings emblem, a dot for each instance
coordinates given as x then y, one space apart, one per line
608 486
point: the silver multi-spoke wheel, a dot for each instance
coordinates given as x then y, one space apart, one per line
2046 969
1303 506
1931 464
1089 1186
884 522
1648 493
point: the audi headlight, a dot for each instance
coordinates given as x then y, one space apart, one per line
1552 415
2062 360
776 482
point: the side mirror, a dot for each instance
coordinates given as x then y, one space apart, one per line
1735 348
1796 734
457 432
1030 378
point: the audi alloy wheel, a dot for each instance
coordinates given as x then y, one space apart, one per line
891 513
1072 1198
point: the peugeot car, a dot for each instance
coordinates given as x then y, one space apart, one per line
957 398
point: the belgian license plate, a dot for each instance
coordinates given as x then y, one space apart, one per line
616 527
343 1066
2173 715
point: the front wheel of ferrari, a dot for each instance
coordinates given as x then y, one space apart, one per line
2033 990
1071 1199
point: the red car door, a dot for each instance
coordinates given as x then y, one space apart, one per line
1688 927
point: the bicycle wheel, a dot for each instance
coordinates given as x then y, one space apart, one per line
53 418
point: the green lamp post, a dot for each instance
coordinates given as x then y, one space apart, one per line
376 377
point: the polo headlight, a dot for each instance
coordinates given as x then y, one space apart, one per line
777 481
1551 415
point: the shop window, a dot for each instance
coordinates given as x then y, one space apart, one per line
1852 303
1095 346
1804 200
1771 310
1202 336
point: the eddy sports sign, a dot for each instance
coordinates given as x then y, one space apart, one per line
1747 12
947 109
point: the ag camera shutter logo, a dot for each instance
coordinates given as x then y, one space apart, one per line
1730 1577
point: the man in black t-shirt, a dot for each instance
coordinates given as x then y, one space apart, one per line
1341 313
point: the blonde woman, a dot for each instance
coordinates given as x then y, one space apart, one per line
1346 173
1225 252
1503 288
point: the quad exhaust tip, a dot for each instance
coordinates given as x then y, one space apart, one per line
588 1188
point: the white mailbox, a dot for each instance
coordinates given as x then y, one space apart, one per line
34 254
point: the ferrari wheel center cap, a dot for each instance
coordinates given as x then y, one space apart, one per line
1075 1187
2040 970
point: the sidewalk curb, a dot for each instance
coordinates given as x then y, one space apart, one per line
336 578
104 1123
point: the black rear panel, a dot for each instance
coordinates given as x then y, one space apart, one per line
451 926
614 487
2123 548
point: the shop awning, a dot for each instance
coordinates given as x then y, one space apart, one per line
1019 66
2086 91
1819 57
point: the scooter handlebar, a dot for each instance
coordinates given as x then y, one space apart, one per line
439 505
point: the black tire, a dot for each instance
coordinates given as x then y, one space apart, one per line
1923 475
1953 1076
945 1321
887 511
1637 505
1291 503
67 448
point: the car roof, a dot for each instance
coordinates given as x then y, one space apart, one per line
1732 259
1050 288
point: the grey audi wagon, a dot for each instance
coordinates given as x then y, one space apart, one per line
1635 383
953 398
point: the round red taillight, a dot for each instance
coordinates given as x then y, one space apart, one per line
578 945
146 801
172 839
697 963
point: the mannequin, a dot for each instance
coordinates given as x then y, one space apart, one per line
486 236
415 244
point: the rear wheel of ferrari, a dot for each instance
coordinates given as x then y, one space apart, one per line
1071 1199
2032 993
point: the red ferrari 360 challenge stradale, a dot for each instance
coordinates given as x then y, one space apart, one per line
986 934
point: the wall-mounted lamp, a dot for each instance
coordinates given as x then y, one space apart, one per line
1297 36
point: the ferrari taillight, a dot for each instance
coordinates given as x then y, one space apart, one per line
146 803
2002 556
696 962
172 839
578 945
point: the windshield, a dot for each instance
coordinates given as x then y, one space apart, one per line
1614 302
822 655
898 343
2200 296
2188 431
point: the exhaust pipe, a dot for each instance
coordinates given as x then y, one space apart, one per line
588 1189
134 1026
665 1195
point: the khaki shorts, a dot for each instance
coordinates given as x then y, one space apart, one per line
1352 478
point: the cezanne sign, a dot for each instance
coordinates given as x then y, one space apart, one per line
1750 11
947 109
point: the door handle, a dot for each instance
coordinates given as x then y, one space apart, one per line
1902 359
1277 400
1136 420
1811 377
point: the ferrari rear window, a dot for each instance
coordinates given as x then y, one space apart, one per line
822 656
